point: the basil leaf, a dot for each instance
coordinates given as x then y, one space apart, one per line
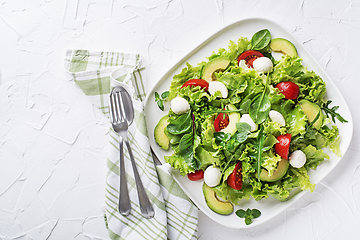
260 39
186 148
244 106
219 136
157 97
222 138
240 213
256 213
165 94
248 221
243 127
160 104
181 125
243 131
186 144
249 214
241 137
259 108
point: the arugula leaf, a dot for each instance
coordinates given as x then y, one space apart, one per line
331 111
221 111
310 132
259 148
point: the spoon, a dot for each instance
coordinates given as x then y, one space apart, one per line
122 115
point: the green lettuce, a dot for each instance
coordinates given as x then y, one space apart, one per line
196 145
314 157
187 73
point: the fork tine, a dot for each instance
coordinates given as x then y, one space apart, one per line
112 108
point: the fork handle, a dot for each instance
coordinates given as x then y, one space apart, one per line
124 200
145 205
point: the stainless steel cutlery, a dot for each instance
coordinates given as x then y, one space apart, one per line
121 117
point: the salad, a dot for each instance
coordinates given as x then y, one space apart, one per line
250 125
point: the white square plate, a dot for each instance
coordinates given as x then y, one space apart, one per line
246 28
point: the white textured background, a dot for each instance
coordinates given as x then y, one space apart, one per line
53 141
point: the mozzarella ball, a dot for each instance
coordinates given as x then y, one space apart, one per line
243 65
179 105
212 176
247 119
215 86
263 65
275 116
297 159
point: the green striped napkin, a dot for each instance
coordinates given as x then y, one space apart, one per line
175 215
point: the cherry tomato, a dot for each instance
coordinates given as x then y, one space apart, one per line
221 122
289 89
282 147
197 82
249 57
235 178
197 175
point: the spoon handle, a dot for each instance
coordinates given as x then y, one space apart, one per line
145 206
124 200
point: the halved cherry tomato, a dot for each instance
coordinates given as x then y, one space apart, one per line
249 57
197 82
289 89
221 122
197 175
282 147
235 178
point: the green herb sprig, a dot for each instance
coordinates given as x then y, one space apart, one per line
332 112
160 99
249 214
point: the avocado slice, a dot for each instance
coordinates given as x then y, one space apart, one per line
284 46
280 171
311 110
218 206
213 66
233 119
159 133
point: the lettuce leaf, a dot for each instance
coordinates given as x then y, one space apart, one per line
304 179
178 162
187 73
270 161
314 157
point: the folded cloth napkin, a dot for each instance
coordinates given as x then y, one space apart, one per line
96 73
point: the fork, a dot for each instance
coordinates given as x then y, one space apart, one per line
122 115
